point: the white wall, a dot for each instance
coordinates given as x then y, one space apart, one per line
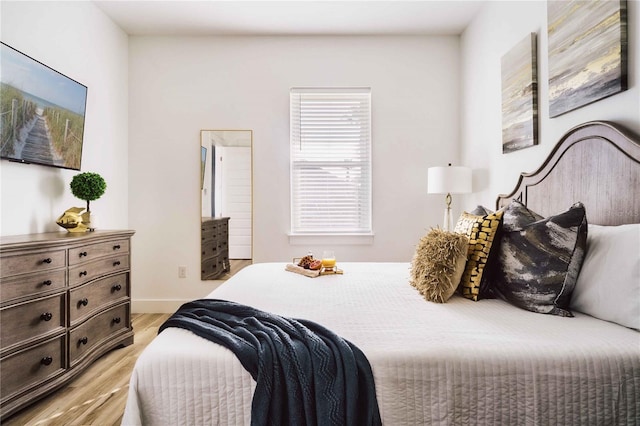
78 40
498 27
181 85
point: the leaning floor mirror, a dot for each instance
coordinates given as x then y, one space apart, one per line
227 210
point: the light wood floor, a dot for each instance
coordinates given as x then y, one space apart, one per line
98 395
236 265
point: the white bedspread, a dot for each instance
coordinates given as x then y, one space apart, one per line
462 362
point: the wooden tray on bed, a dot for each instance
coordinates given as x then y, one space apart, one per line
293 267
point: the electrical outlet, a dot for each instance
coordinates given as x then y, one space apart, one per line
182 272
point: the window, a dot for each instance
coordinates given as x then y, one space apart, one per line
330 161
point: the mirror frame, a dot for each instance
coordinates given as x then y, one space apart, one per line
203 146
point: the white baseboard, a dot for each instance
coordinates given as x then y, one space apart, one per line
156 306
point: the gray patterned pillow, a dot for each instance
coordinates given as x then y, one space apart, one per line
481 211
539 259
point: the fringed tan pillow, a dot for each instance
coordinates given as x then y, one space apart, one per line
438 264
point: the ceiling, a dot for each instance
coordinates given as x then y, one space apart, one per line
326 17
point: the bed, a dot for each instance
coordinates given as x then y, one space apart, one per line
460 362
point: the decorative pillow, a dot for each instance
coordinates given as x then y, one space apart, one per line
438 264
481 211
481 231
539 259
608 286
485 288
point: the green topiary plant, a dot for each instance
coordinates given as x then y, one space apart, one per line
88 186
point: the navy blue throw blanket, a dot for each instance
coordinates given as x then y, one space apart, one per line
304 373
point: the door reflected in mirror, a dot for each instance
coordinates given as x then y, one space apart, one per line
226 194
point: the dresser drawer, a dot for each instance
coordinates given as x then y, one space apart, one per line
96 331
32 284
209 250
212 267
207 236
95 251
223 230
32 366
87 299
209 225
32 262
30 320
87 271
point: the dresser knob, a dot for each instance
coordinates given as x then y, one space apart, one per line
46 316
116 287
83 253
116 263
83 340
116 247
47 360
47 282
84 302
116 320
83 273
47 260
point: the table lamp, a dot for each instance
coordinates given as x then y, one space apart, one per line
449 180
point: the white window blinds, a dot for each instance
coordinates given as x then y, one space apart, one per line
330 161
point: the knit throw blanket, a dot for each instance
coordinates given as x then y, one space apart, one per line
304 373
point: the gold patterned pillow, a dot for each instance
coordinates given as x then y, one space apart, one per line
438 264
481 231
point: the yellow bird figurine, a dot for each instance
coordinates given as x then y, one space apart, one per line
71 220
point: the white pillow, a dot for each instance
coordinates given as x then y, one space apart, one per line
608 286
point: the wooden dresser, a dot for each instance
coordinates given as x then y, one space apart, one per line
64 302
215 247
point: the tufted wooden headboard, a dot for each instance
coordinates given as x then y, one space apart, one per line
597 163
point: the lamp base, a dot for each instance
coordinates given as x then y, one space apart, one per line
448 220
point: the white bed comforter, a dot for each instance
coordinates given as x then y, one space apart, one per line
462 362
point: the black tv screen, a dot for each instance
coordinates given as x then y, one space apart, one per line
42 112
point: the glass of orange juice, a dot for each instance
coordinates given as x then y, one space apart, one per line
328 259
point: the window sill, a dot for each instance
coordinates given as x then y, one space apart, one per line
331 239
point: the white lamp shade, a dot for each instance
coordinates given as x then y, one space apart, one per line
449 180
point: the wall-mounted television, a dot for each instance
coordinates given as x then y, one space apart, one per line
42 112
